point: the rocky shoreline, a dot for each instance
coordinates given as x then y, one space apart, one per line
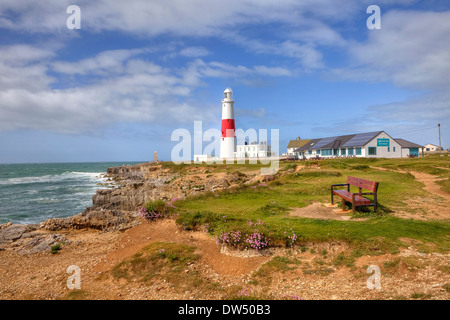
117 208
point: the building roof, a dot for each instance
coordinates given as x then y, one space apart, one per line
407 144
307 146
351 140
430 144
297 143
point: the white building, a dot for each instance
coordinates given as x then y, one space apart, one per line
254 150
369 145
431 148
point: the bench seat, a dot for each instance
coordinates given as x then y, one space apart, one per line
356 198
359 200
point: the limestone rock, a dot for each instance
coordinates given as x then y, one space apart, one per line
42 243
12 233
92 217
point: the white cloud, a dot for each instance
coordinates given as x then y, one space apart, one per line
110 61
121 87
194 52
412 51
214 69
21 67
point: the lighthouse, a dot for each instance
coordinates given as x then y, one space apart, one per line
228 142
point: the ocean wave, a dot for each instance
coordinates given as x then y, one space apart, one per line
68 175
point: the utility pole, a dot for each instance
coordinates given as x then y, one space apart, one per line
439 128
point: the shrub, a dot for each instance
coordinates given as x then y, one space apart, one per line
55 248
272 209
256 240
155 210
232 238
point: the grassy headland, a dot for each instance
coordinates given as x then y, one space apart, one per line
264 207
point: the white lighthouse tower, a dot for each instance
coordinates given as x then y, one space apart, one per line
228 142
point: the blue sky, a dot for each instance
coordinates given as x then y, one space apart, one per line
117 88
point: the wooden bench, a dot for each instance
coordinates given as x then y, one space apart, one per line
357 198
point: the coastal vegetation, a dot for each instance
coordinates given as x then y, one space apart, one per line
241 235
263 208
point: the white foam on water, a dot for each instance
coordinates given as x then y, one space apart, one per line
68 175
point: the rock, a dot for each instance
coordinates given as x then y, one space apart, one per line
267 178
5 225
92 217
12 233
42 243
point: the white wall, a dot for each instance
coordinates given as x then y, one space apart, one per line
382 152
253 150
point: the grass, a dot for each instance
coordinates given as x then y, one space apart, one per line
420 295
55 248
277 264
77 295
447 287
161 260
271 204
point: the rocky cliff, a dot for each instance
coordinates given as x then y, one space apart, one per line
116 207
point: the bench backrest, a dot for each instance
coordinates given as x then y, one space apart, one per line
363 184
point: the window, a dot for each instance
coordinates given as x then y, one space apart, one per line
317 151
389 149
393 149
326 152
343 152
358 151
350 151
372 151
309 151
335 152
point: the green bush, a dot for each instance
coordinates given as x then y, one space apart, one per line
55 248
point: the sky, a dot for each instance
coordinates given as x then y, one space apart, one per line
135 71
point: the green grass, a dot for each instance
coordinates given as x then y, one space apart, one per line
276 264
420 295
272 203
77 295
165 260
55 248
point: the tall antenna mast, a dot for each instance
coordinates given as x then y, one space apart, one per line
439 128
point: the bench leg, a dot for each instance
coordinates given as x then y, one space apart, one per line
353 208
343 204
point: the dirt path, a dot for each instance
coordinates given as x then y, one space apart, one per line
166 230
314 276
427 208
430 184
318 210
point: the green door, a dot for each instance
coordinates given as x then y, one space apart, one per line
414 151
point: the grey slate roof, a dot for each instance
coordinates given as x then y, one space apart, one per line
307 146
408 144
351 140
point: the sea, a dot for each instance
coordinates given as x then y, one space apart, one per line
32 193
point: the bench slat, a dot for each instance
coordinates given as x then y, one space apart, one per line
348 197
361 183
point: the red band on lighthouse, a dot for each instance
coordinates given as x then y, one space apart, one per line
228 128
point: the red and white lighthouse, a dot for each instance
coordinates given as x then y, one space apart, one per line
228 142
